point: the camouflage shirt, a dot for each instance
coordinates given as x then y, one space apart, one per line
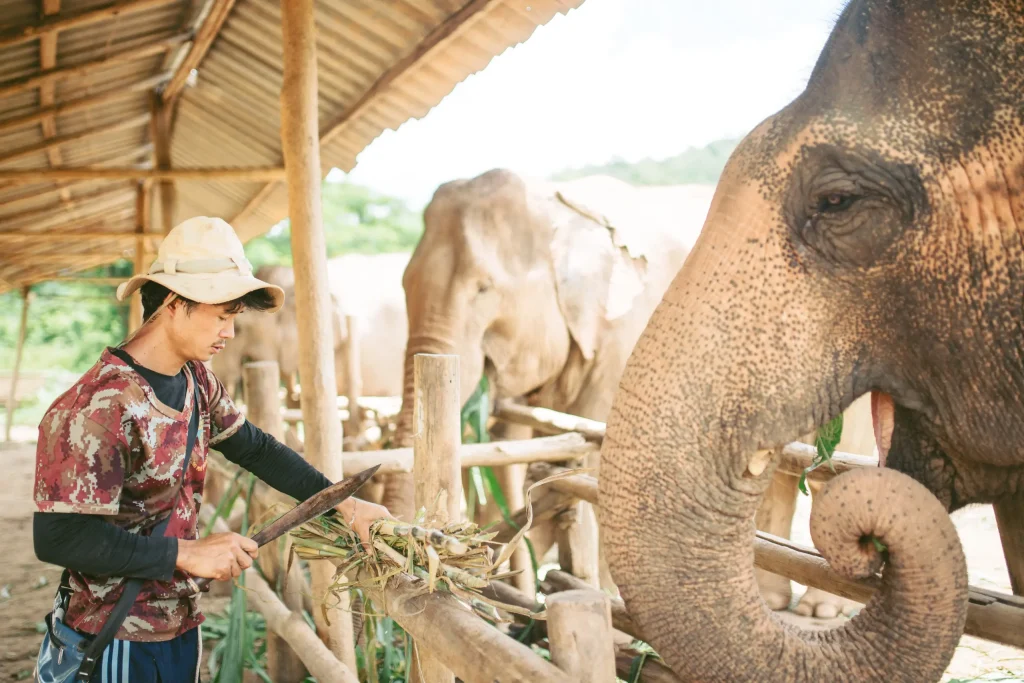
108 446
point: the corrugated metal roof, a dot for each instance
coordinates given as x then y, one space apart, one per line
381 62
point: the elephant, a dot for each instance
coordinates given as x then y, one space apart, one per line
256 337
866 239
367 304
542 287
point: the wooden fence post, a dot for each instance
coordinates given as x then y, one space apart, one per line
260 380
580 635
436 468
353 377
12 397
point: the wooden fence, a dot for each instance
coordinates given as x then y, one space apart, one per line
588 633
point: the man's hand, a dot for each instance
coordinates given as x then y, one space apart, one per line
360 514
218 556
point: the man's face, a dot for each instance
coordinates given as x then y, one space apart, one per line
201 333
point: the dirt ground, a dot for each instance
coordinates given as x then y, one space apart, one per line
27 585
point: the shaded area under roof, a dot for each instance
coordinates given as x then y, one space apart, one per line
80 79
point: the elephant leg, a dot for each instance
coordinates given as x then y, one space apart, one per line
775 516
1010 520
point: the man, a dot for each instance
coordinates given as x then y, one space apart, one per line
111 450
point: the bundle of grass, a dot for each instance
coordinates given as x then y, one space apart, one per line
459 557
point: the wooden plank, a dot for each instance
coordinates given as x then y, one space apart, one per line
64 73
210 20
48 60
494 454
793 459
50 25
322 444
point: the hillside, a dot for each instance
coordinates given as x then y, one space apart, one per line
693 166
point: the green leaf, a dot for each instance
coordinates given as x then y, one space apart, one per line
825 442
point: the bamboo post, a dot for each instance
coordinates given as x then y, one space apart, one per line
1010 520
575 552
260 381
12 397
354 377
436 469
580 635
139 264
322 443
160 132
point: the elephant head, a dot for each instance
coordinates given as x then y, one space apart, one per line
865 238
521 284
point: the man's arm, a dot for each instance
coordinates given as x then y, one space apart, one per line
92 546
279 466
291 474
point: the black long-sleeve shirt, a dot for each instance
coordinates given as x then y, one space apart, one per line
91 545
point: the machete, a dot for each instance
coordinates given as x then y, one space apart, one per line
312 507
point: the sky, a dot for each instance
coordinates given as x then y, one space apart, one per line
611 79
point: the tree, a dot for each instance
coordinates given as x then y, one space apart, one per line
694 165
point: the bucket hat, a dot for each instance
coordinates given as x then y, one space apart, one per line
202 259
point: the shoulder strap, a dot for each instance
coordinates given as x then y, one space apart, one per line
124 603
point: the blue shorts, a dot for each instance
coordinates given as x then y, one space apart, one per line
168 661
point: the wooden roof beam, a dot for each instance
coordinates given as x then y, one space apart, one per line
53 24
56 142
83 103
207 25
259 174
70 237
66 72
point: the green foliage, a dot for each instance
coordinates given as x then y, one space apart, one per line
826 441
357 220
695 165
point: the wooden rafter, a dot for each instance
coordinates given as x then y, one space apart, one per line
114 94
63 73
51 24
222 174
207 25
53 143
48 61
430 43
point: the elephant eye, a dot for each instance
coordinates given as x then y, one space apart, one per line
833 202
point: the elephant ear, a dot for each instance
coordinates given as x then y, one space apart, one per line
600 268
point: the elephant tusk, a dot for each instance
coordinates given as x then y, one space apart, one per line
759 462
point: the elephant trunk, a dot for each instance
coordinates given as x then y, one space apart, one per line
399 490
734 363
